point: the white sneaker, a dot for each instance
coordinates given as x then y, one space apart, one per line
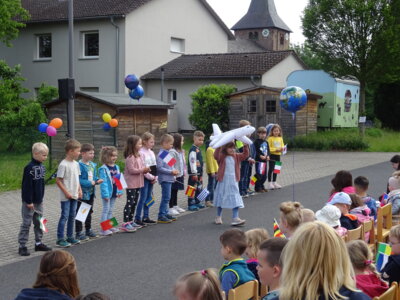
173 212
105 232
271 186
238 222
276 185
114 230
218 220
179 209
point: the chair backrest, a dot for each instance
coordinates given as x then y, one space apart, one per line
390 294
355 234
263 290
248 290
384 220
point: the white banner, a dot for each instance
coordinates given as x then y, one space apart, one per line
83 212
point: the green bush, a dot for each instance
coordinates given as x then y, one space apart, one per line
374 132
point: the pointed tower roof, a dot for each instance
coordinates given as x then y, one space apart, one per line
261 14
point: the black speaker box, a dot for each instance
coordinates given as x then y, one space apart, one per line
66 88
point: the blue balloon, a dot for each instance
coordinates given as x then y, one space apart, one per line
106 127
293 98
137 93
131 81
42 127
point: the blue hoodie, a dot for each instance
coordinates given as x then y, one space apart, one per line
41 294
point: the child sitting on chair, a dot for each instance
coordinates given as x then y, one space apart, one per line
391 271
234 272
394 196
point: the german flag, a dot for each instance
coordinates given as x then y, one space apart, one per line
277 231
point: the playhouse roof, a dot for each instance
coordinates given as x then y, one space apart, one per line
120 101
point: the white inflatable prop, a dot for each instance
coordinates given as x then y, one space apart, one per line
219 138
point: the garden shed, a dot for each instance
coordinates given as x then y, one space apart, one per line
134 117
260 105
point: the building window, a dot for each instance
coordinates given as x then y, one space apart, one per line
172 96
282 38
90 44
43 42
270 106
253 36
252 106
177 45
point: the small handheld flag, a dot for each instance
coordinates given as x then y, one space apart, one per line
239 144
167 158
43 222
190 191
150 201
261 168
108 224
120 181
277 230
203 195
83 212
382 255
284 151
253 180
278 166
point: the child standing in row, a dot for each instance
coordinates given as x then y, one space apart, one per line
134 177
245 166
276 145
195 167
70 191
262 157
179 155
150 178
32 199
227 191
108 188
88 180
166 177
212 169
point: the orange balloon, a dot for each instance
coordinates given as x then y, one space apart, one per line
56 123
113 123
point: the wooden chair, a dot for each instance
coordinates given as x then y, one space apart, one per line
355 234
368 226
248 290
383 223
263 290
390 294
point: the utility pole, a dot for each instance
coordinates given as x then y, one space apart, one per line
71 90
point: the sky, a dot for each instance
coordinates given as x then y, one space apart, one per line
290 11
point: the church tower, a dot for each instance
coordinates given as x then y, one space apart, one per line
262 25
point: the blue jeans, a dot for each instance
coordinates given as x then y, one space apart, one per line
108 207
145 195
244 174
165 196
212 183
68 212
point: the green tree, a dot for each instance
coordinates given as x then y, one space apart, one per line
310 58
355 37
211 105
19 117
46 93
11 17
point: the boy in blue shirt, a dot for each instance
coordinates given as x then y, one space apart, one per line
88 180
32 199
234 271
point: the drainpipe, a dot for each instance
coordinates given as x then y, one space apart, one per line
162 84
117 54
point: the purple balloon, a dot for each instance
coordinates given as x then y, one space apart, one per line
137 93
51 131
106 127
42 127
131 81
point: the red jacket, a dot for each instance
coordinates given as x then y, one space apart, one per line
371 284
238 157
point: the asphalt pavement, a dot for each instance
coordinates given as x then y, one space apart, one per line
145 264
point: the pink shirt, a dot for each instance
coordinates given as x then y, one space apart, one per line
134 171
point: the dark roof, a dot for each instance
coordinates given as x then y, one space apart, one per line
310 95
242 45
119 101
57 10
261 14
233 65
